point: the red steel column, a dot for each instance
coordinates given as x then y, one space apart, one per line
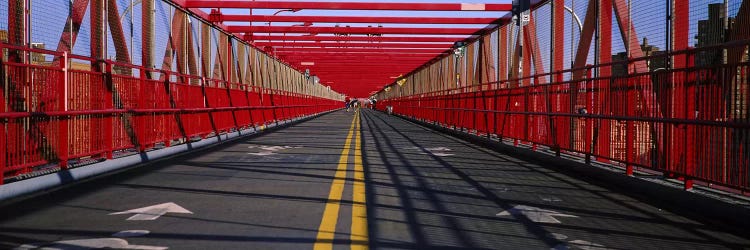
558 54
502 59
683 100
97 33
110 121
16 36
16 27
147 38
604 73
118 35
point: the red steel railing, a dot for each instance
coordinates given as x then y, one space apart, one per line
690 123
51 114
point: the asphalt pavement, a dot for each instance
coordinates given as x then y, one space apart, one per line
350 180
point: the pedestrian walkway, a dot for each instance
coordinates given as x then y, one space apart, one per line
350 180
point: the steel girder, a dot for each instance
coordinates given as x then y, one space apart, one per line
346 5
355 45
426 50
359 38
356 19
351 30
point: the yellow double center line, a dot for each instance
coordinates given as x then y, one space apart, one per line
358 235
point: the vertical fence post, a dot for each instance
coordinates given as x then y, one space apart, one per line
588 121
109 119
62 150
629 147
3 151
140 118
678 28
3 121
167 132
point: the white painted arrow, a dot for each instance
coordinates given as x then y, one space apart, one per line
535 214
580 244
99 243
154 212
270 150
263 153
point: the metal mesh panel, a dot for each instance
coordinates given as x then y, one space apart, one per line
513 37
649 20
137 20
82 45
195 30
121 39
47 25
162 30
572 33
543 22
579 7
619 50
213 71
3 21
494 45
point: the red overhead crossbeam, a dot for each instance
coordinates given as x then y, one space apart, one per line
332 65
365 57
351 53
339 67
356 50
346 5
352 30
356 45
371 58
356 19
353 63
359 38
363 72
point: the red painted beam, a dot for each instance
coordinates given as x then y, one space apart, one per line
363 54
356 45
357 19
382 60
377 72
361 65
355 65
346 5
357 75
331 63
351 63
368 63
360 50
347 74
348 67
321 64
352 30
359 38
373 73
381 75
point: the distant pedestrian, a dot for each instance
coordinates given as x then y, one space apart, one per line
353 103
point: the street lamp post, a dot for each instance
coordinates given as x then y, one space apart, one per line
580 29
276 13
306 24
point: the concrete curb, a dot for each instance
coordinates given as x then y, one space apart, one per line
686 203
41 184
